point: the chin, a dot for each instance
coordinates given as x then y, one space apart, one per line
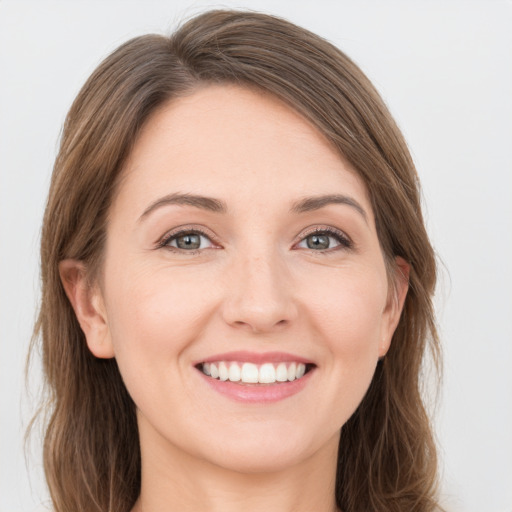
266 452
260 461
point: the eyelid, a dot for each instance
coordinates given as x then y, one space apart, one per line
182 230
344 240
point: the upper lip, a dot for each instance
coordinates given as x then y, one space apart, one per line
244 356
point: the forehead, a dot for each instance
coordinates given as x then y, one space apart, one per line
236 144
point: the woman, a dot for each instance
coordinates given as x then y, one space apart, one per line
237 283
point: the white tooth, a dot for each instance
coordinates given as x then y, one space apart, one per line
223 371
291 371
206 368
249 373
267 374
301 369
234 372
281 373
214 372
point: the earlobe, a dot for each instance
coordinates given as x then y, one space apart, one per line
395 303
88 305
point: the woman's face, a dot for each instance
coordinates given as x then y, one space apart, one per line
240 238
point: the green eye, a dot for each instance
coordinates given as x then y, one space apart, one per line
318 242
324 239
188 241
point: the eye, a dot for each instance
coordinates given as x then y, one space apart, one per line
187 240
323 239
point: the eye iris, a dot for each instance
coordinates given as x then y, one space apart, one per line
190 241
318 242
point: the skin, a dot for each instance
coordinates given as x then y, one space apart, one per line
254 285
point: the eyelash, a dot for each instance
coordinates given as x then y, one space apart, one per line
344 241
163 243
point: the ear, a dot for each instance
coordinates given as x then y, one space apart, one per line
88 304
395 303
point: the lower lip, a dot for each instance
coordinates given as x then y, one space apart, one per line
257 393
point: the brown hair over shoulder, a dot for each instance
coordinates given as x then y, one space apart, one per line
387 455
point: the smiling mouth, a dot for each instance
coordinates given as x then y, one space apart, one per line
250 373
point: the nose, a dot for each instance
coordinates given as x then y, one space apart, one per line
259 295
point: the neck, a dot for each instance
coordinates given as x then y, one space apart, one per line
175 481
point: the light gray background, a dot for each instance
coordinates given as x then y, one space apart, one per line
445 70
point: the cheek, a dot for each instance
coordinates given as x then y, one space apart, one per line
153 316
351 310
348 321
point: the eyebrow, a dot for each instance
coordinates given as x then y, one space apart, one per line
205 203
309 204
304 205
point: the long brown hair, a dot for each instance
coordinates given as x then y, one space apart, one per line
387 455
